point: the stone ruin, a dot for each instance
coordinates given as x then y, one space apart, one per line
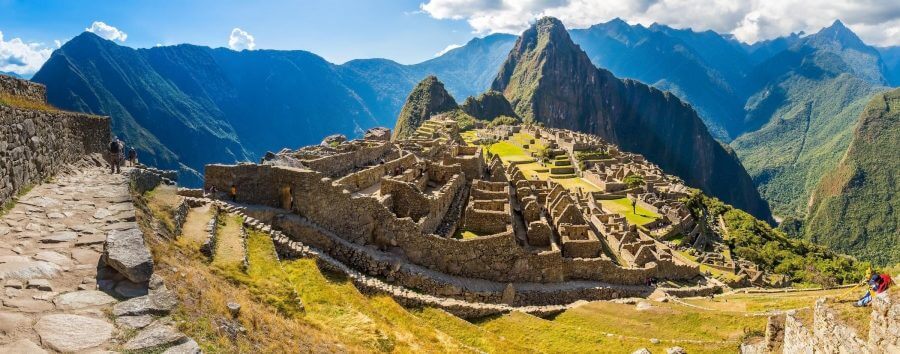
399 210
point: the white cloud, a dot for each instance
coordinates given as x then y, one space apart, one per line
101 29
875 21
447 49
22 58
58 43
240 40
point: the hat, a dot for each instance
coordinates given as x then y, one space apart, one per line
875 278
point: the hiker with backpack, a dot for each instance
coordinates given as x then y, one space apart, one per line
116 148
132 157
878 283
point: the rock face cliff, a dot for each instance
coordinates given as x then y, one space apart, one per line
428 98
548 79
855 207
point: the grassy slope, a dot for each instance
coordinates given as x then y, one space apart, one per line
855 207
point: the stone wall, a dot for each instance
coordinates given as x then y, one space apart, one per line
364 220
366 178
35 145
829 334
22 88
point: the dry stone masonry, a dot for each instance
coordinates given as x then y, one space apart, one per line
431 214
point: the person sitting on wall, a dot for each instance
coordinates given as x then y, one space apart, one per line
878 284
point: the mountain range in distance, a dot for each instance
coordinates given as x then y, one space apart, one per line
786 108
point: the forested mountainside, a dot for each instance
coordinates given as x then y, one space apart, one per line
856 207
548 79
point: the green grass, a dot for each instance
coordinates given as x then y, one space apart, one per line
623 207
229 253
509 152
24 103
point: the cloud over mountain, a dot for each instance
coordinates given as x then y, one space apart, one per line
240 40
106 31
876 21
20 57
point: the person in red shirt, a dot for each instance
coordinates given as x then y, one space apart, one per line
878 284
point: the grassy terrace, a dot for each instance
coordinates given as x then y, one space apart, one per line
622 206
229 251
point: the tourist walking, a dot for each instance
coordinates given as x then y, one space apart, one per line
233 193
115 155
132 156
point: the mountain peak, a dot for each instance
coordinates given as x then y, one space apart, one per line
837 34
428 98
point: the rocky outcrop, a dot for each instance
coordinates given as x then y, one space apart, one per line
428 98
378 133
487 106
126 252
548 79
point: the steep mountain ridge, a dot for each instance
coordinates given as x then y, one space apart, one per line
802 115
855 207
548 79
428 98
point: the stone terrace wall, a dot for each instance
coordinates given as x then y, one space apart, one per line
35 145
22 88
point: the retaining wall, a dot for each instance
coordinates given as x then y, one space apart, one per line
35 145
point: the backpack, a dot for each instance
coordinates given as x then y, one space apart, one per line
114 147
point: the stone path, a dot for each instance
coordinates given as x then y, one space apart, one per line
50 247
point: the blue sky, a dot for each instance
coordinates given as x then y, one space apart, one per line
338 30
408 31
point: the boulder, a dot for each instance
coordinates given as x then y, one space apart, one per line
155 336
378 133
82 299
72 333
159 302
676 350
134 322
334 139
126 252
188 347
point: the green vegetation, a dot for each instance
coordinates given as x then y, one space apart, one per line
509 152
634 181
503 120
229 252
20 102
623 207
856 207
428 98
808 126
756 241
582 156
